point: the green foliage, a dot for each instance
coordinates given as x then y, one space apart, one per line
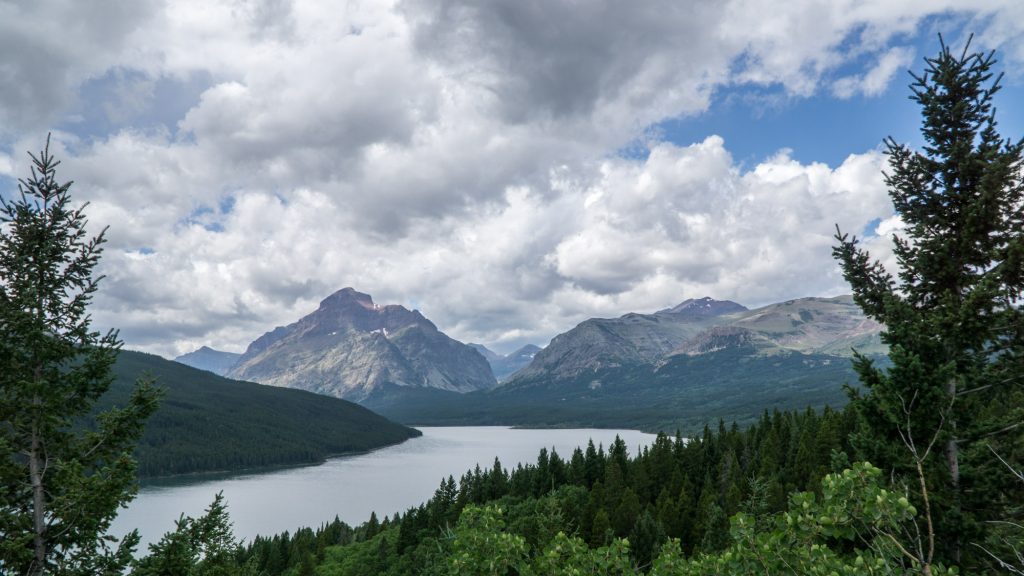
209 423
203 546
953 315
60 485
482 547
547 517
853 528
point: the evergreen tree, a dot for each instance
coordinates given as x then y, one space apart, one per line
203 546
953 313
63 475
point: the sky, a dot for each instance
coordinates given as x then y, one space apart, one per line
509 168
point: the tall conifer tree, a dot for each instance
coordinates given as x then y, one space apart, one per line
952 313
63 475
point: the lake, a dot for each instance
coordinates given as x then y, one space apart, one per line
386 481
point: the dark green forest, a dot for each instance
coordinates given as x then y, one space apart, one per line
208 423
733 384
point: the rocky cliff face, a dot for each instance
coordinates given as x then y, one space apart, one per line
631 339
350 345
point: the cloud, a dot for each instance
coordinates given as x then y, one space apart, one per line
875 81
456 156
51 46
625 235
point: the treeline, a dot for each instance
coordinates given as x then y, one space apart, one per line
673 489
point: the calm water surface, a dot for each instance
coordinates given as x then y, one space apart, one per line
388 480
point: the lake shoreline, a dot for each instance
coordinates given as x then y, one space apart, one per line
219 474
351 487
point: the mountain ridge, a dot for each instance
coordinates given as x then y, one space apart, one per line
206 358
811 325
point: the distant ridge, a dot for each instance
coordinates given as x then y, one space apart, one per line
508 365
831 326
206 358
505 366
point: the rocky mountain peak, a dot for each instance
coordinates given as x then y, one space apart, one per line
705 307
526 352
348 297
349 346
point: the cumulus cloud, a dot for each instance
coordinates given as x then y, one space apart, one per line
452 156
875 81
628 235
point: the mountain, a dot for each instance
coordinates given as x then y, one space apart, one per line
210 360
818 325
685 393
630 339
349 346
830 326
705 307
677 368
505 366
487 353
209 423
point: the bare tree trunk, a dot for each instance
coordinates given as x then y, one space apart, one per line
36 468
953 463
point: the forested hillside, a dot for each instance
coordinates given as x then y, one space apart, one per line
684 393
675 489
206 422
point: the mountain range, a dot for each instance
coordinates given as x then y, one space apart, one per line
698 360
829 326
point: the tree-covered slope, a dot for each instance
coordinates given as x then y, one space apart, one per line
206 422
734 384
563 513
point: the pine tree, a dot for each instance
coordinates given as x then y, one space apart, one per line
953 315
203 546
63 475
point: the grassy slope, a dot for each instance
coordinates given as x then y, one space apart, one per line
206 422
